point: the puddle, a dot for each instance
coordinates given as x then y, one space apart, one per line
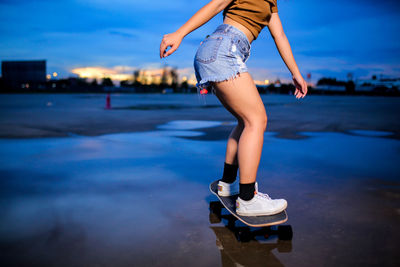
142 198
370 133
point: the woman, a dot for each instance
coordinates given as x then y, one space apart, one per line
219 64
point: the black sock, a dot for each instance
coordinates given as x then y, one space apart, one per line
246 191
230 172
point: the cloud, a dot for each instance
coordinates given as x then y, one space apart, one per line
123 34
327 53
19 2
72 34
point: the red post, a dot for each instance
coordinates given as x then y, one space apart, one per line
108 101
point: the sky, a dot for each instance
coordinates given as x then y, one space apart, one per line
328 38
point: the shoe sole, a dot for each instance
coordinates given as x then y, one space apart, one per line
261 213
227 195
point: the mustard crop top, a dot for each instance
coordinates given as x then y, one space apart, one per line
253 14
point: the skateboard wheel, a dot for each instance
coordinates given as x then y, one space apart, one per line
231 221
243 235
285 232
215 207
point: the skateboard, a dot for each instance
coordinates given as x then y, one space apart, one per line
229 203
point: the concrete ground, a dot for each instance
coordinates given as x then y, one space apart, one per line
129 186
50 115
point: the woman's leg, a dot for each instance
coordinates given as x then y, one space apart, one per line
232 145
233 140
241 96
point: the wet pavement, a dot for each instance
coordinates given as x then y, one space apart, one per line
61 115
142 199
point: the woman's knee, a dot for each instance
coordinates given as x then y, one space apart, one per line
257 122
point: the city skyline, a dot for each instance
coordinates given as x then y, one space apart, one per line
327 39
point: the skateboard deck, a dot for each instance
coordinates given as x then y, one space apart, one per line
255 221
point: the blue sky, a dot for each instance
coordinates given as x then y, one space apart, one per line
328 39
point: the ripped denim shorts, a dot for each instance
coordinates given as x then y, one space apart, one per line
221 56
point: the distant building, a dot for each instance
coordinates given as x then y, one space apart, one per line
371 84
24 74
331 87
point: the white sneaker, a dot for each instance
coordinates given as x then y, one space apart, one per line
226 189
260 204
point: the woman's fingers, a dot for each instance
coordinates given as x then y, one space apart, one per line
164 45
304 89
172 42
301 87
161 47
169 52
161 50
296 92
301 92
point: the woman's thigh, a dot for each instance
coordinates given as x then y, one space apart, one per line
225 104
241 96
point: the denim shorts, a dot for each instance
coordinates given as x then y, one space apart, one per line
221 56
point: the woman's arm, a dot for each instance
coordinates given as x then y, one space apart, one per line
282 43
198 19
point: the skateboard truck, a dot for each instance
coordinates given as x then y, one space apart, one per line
245 234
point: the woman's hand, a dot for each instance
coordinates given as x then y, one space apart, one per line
173 40
301 86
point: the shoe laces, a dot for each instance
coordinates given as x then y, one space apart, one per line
264 195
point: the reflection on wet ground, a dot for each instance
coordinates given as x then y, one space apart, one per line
252 253
142 199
